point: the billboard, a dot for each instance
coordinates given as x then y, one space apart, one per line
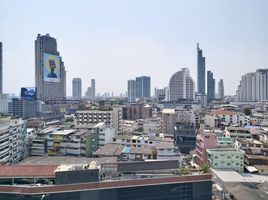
28 93
51 68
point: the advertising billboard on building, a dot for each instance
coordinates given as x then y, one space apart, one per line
28 93
51 68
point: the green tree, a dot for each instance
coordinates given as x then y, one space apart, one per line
205 168
247 111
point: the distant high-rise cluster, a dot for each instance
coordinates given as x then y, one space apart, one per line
50 74
253 86
201 72
1 69
210 86
90 93
139 88
181 86
77 88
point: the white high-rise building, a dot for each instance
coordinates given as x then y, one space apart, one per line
181 86
12 140
77 88
253 86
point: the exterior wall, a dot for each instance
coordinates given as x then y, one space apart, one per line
226 159
169 121
77 88
12 140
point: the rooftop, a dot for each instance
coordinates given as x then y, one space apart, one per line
63 132
229 175
168 111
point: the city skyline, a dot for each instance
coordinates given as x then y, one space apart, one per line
116 46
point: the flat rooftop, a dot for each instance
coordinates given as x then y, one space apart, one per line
229 175
63 132
63 160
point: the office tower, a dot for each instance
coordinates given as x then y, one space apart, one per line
93 88
210 86
4 104
1 69
131 90
221 90
50 74
253 86
77 88
181 86
143 87
88 93
201 72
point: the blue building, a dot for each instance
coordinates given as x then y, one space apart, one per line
143 87
210 86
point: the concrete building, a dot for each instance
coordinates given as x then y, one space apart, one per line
226 158
181 86
50 74
137 111
201 72
12 140
221 90
25 108
253 86
143 87
160 94
210 86
105 133
1 68
77 88
131 90
204 140
111 117
169 118
4 103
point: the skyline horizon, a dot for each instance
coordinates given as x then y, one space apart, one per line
113 42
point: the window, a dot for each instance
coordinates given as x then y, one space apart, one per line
216 164
228 164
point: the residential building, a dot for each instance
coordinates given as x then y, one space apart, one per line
253 87
12 140
131 90
201 72
181 86
137 111
205 139
160 94
167 151
4 103
50 74
143 87
77 88
169 118
210 86
93 89
152 126
105 133
221 90
226 158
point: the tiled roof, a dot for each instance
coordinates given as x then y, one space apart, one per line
27 170
222 112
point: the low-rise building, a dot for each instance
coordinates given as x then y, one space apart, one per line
226 158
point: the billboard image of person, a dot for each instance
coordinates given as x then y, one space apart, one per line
28 93
51 68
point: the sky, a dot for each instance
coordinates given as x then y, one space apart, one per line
116 40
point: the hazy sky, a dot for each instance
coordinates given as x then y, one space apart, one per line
113 41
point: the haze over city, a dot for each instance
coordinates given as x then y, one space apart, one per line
113 41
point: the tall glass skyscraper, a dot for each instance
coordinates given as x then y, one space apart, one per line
131 90
210 86
143 87
201 72
50 74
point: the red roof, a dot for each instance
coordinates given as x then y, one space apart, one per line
27 170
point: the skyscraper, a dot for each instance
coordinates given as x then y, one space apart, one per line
143 87
181 86
253 86
201 72
221 90
1 69
50 74
77 88
131 90
93 87
210 86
